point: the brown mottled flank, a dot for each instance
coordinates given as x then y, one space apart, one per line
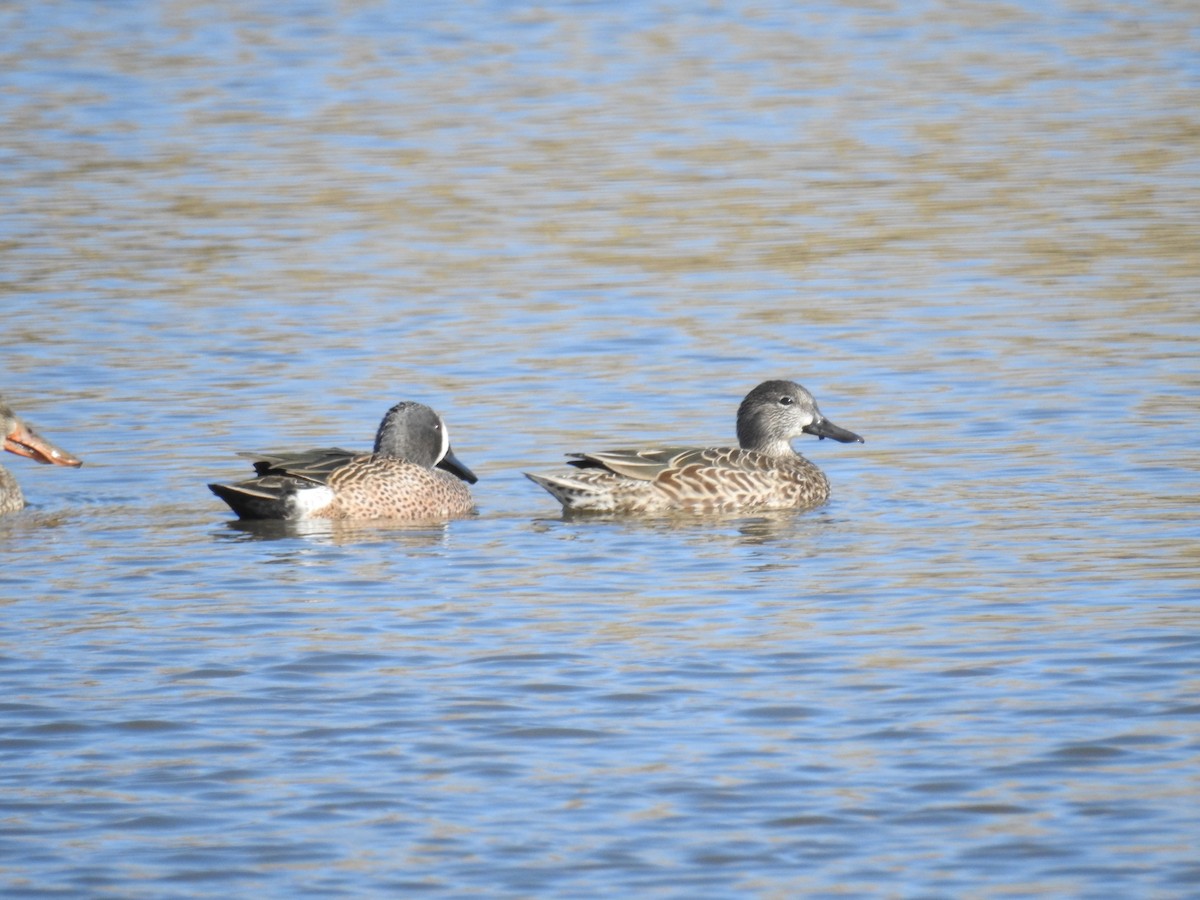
764 473
728 480
370 487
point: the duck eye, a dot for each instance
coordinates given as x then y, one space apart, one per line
785 400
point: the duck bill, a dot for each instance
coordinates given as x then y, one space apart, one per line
450 463
823 428
24 441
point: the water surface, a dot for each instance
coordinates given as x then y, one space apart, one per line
970 231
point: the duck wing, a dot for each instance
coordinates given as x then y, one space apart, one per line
307 465
647 465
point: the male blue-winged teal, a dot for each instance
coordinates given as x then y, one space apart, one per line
22 440
763 473
411 474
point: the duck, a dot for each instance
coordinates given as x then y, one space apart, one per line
762 473
21 439
411 474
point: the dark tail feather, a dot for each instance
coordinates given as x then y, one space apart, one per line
250 501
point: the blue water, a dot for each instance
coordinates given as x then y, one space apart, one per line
969 231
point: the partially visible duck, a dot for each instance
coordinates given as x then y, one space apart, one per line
22 440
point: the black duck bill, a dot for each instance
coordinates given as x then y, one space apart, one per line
451 464
823 428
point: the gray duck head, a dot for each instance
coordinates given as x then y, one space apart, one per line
414 432
775 412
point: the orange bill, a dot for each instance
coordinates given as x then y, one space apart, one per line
24 441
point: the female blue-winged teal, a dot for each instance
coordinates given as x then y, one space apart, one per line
763 473
22 440
412 474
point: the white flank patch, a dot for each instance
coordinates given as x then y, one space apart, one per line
308 500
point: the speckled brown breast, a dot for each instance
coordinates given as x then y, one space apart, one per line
11 498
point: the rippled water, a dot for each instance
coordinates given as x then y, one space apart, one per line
969 230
